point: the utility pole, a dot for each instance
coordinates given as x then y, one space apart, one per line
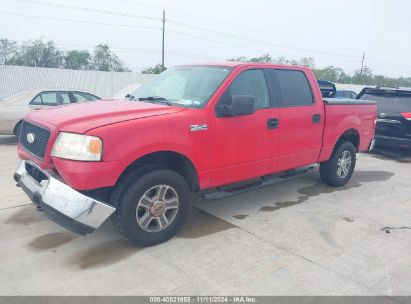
162 49
362 67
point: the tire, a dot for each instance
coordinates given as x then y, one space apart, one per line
151 207
338 170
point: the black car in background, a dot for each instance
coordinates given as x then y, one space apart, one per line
394 116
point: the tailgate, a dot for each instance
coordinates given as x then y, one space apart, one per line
394 113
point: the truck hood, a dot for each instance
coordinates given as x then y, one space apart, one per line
80 118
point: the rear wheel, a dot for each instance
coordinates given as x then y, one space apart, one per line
338 170
153 207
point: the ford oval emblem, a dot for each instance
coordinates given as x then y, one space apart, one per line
30 137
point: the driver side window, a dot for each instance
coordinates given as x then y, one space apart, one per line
250 83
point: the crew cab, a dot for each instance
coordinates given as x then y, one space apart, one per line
189 129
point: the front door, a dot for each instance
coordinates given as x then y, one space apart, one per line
244 147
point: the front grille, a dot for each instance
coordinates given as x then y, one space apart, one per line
40 135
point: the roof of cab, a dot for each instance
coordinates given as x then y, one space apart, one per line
233 64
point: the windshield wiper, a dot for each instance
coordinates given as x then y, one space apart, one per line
156 99
130 97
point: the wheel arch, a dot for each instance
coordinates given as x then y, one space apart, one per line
351 135
172 160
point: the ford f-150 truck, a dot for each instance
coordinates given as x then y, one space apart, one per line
191 128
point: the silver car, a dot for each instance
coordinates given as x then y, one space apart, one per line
13 108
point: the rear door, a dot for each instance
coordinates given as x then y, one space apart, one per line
301 119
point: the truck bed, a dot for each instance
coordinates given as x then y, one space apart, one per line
343 114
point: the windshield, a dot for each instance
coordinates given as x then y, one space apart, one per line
189 86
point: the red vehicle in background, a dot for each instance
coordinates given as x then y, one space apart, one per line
189 129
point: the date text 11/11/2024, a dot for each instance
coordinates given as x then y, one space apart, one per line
203 299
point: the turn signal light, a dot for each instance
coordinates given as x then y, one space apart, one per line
95 146
407 115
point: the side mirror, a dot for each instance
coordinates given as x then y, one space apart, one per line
240 105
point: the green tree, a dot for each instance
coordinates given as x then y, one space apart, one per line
8 49
263 58
281 60
294 62
364 77
77 60
238 59
334 74
39 54
307 62
344 78
105 60
154 70
329 73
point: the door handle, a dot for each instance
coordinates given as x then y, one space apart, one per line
272 123
316 118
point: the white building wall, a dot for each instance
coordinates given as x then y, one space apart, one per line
103 84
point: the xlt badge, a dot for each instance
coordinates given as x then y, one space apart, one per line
200 127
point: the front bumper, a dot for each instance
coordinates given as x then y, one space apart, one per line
62 204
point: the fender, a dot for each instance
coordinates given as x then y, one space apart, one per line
333 133
164 147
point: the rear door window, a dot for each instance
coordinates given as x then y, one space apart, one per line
83 97
294 88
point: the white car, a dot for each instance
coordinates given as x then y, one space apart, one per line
13 108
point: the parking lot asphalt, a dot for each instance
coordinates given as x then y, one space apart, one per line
293 237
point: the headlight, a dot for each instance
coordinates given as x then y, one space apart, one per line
78 147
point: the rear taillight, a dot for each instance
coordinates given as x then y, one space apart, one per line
407 115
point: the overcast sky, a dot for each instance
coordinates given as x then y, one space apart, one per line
333 32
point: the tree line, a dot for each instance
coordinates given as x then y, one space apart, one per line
334 74
40 53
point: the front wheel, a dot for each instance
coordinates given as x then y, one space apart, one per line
153 207
338 170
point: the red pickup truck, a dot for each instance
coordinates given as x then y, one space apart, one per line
189 129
